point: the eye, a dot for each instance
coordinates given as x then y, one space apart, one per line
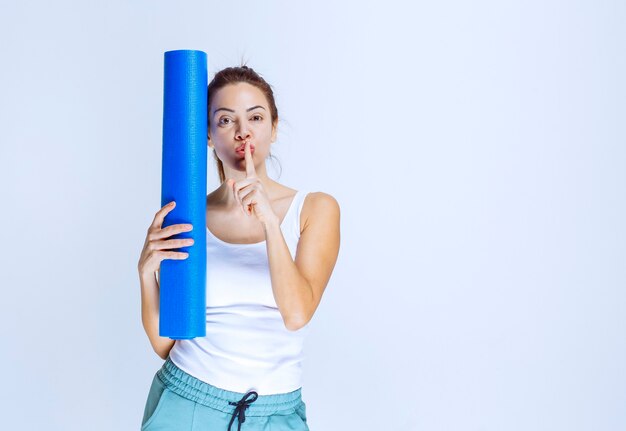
258 116
223 119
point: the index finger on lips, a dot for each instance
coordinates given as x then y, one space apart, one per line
250 171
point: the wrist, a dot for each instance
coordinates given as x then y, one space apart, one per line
272 223
147 276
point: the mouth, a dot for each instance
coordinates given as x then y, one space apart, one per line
242 149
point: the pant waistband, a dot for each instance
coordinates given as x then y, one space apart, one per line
188 386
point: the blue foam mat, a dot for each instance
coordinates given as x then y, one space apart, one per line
184 173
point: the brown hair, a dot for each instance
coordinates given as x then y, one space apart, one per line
233 75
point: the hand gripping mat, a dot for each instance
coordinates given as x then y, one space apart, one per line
183 282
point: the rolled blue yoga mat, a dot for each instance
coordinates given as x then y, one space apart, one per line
183 282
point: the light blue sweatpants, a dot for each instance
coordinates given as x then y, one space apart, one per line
178 401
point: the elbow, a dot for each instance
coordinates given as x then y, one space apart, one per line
299 318
160 354
163 353
295 324
291 327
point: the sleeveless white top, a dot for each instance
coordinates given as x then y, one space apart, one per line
247 346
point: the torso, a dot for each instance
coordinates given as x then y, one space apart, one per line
237 228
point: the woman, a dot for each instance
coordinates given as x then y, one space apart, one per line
272 250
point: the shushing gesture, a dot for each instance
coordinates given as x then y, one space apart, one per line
250 192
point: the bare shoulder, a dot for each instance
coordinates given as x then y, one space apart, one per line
319 206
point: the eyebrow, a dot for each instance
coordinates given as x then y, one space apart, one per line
231 110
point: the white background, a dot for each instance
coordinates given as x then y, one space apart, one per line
477 151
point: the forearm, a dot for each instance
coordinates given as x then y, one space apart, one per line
150 316
292 292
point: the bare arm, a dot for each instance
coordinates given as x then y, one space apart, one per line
150 315
298 284
156 248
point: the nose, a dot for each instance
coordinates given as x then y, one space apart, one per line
243 133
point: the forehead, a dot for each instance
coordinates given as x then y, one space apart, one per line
240 95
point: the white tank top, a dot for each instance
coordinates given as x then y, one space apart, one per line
247 346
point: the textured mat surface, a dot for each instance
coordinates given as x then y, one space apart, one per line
184 173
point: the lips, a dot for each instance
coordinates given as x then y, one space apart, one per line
242 148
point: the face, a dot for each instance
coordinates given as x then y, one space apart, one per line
239 113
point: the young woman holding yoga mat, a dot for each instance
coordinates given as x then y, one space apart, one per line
271 251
